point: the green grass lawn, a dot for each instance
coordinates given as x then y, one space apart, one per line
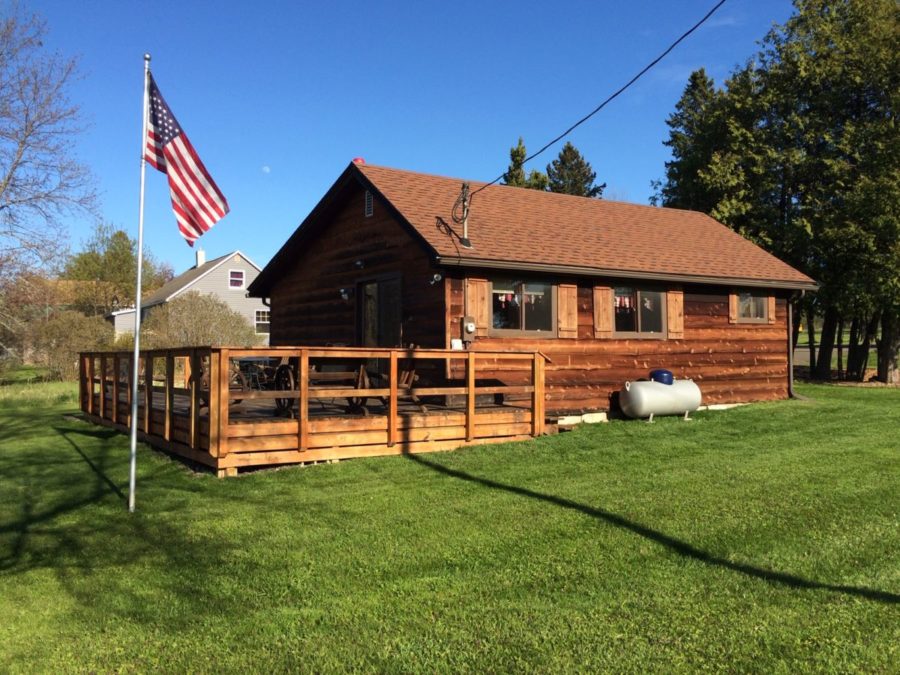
763 538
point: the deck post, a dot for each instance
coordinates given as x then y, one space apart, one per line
224 400
148 391
537 396
90 387
170 383
194 409
214 400
393 401
81 377
128 377
117 365
470 396
103 365
303 402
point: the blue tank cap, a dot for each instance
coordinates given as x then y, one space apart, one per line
662 376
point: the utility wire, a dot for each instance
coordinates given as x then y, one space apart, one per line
613 96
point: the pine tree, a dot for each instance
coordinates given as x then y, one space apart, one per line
515 174
571 174
697 131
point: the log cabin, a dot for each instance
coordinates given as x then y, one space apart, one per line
606 290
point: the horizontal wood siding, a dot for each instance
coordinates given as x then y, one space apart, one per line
730 362
307 308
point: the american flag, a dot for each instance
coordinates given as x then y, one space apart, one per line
196 199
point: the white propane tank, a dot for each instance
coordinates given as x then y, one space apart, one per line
649 398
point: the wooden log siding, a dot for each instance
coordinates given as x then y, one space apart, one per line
224 437
307 308
731 362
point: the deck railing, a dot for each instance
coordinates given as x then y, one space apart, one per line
211 404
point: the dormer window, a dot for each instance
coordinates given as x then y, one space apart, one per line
235 279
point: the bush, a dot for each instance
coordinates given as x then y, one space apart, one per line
8 363
57 341
195 320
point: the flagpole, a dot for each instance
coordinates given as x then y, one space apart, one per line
132 471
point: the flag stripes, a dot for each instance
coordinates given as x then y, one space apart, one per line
196 199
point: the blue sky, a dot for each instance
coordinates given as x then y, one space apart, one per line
278 97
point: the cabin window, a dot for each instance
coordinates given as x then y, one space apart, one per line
752 307
522 307
370 204
235 279
639 312
262 321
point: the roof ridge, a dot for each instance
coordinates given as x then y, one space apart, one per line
477 185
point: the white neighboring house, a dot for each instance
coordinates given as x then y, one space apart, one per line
225 277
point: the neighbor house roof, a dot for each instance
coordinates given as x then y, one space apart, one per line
522 229
184 281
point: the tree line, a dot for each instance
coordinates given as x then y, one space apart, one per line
799 151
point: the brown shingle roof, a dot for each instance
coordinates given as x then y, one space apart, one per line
518 226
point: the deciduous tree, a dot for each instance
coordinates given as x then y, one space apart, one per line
41 181
57 341
107 270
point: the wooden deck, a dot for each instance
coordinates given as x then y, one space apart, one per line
344 403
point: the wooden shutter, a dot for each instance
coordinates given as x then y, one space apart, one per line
478 303
733 308
675 314
603 312
770 310
567 309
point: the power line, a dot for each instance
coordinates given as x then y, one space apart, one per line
613 96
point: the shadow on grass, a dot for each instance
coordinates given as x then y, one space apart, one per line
101 475
64 512
681 547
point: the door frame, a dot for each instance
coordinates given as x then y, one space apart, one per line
377 279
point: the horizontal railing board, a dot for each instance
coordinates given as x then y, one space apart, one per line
246 428
350 438
271 458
